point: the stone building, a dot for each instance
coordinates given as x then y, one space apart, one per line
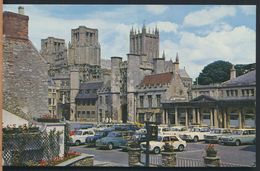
55 52
25 71
230 104
157 88
142 61
86 102
84 47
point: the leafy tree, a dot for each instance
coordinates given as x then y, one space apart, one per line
219 71
216 72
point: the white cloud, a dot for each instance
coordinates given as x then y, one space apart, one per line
236 46
156 9
208 15
165 26
248 9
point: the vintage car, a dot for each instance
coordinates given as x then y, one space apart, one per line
195 134
177 130
114 139
240 136
91 140
157 146
165 131
216 134
80 136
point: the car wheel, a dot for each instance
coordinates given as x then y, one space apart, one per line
237 142
196 139
110 146
181 147
77 142
156 150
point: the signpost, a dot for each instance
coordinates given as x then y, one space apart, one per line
152 134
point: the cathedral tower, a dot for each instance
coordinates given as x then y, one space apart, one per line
145 43
84 47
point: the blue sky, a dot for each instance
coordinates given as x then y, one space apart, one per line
201 34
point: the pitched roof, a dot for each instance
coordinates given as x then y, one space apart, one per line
91 85
183 73
246 79
95 85
157 79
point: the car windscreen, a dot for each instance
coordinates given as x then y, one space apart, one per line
216 131
237 132
99 133
78 133
114 134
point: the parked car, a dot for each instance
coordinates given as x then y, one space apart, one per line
74 126
177 130
114 139
125 127
195 134
156 146
80 136
216 134
165 131
91 140
240 136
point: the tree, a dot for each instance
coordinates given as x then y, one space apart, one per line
219 71
216 72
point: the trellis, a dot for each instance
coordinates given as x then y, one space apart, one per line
22 148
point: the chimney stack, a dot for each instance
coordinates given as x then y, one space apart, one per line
21 10
232 72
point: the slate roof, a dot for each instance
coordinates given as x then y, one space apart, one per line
246 79
155 79
89 86
183 73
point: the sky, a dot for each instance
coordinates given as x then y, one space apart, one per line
200 34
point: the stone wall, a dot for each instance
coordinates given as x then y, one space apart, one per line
24 70
82 160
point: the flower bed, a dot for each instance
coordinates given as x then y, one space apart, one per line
12 129
55 161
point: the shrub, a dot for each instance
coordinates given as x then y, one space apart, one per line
168 147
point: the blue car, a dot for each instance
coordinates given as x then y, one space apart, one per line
114 139
91 141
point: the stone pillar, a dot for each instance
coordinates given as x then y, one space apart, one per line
134 155
163 116
211 118
216 118
212 161
176 116
166 117
193 116
240 119
186 118
198 116
225 119
168 159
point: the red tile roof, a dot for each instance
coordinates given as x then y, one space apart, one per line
163 78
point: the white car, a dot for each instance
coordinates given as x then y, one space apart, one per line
195 134
216 135
165 131
156 146
178 130
80 136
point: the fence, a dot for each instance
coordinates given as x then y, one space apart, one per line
185 162
21 148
